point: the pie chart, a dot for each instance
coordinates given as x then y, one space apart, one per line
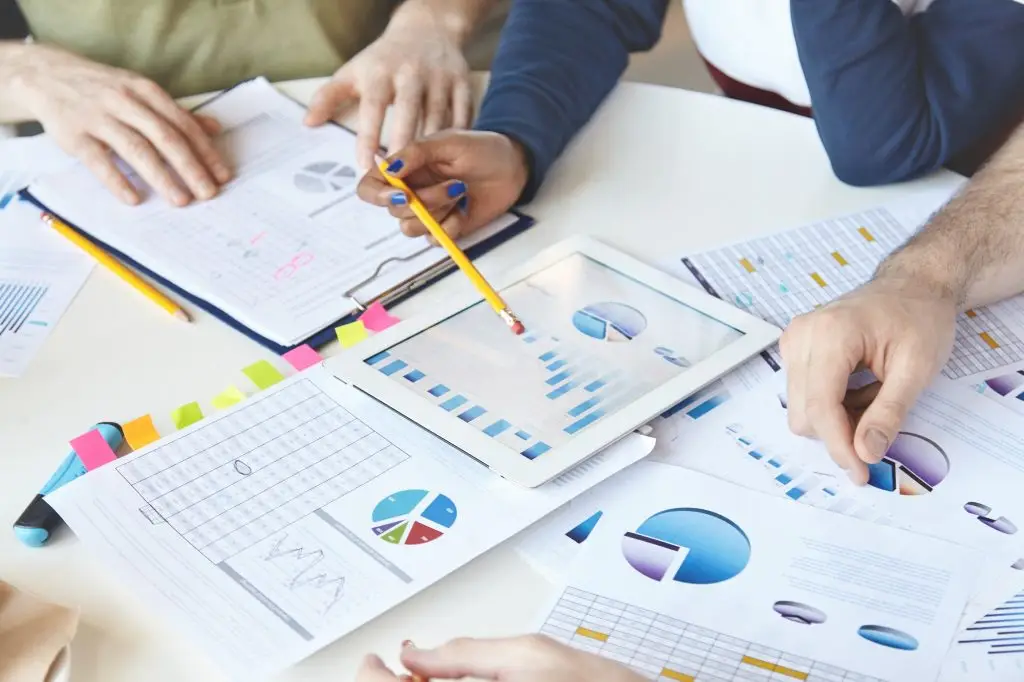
324 176
888 637
914 465
687 545
609 321
413 517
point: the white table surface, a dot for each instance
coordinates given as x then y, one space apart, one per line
659 171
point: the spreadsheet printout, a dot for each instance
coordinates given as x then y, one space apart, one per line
273 529
697 580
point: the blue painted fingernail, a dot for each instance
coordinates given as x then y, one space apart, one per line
463 204
398 199
396 166
456 189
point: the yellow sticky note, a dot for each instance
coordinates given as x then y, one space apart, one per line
140 432
186 415
351 334
227 398
263 374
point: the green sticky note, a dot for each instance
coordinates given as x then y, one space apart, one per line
263 374
186 415
351 334
227 398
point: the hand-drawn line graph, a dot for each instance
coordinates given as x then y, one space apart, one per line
304 569
241 478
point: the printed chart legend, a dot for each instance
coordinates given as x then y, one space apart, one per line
667 649
784 275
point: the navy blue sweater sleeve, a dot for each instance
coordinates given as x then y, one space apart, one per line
556 62
896 97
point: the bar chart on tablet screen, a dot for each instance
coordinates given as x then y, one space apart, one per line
787 274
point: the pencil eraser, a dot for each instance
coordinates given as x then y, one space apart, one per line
518 328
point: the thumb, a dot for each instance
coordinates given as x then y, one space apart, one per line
422 153
480 658
328 100
882 419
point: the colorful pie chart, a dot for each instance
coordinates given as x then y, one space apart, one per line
914 465
413 517
687 545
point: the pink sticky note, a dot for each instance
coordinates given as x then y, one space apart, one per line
302 357
376 319
92 450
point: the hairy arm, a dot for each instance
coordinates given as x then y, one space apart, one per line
973 250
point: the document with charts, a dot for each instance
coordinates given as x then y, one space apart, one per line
690 579
276 527
287 249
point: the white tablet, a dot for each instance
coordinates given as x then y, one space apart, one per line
610 343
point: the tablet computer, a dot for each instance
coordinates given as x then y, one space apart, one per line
610 343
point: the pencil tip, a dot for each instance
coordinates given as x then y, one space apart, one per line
182 315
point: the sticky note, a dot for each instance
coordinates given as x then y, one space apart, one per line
186 415
302 357
377 319
140 432
351 334
93 450
228 397
263 374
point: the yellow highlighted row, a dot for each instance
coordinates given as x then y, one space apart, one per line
817 278
781 669
839 258
992 343
970 313
747 265
867 235
592 634
675 675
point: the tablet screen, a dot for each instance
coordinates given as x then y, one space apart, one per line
595 340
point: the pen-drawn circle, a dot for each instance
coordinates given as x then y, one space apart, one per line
242 468
609 321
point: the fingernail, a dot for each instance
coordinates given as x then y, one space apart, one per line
398 199
180 198
407 644
456 189
877 444
129 197
207 190
463 203
221 173
395 166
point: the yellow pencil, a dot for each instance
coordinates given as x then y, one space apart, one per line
456 254
112 264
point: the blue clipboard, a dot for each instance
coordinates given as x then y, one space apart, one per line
327 334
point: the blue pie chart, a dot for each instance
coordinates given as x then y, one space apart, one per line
701 546
888 637
609 321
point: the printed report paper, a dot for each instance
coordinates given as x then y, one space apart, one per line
287 248
690 578
284 523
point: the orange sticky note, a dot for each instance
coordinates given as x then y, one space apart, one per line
93 450
140 432
186 415
263 374
377 319
302 357
351 334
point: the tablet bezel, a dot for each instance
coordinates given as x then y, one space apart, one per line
351 367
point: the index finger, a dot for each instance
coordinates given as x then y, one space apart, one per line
371 119
825 388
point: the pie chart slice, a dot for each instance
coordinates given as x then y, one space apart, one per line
609 321
914 465
888 637
398 504
707 547
413 517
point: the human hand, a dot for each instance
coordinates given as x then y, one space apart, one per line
532 658
465 178
903 332
417 65
95 112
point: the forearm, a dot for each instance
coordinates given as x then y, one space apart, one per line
973 250
12 60
456 18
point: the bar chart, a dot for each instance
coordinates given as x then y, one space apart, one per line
18 301
667 649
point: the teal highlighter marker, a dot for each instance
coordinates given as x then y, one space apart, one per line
39 520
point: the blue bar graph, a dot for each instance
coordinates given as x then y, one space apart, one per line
472 413
755 454
414 376
497 428
559 378
377 358
795 493
438 391
675 409
557 364
784 479
829 491
529 338
393 367
583 407
17 303
453 403
522 435
775 463
580 424
706 406
535 450
594 386
550 355
562 390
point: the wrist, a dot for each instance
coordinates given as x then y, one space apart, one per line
921 277
453 20
12 64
